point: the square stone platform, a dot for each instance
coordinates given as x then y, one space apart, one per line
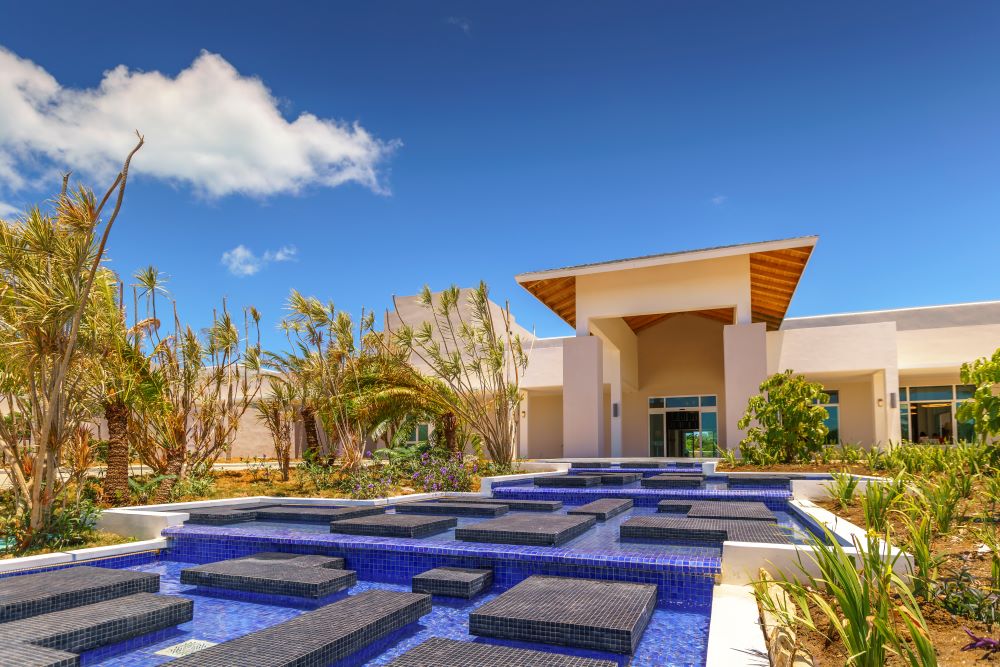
673 481
513 505
590 464
452 509
568 481
747 511
440 652
270 577
662 527
32 594
90 626
219 516
29 655
319 637
545 530
455 582
603 509
312 514
583 613
394 525
300 560
615 478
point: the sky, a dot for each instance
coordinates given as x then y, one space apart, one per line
353 151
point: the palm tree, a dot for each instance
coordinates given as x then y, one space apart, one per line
278 412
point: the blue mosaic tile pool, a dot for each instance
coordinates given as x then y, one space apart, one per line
675 635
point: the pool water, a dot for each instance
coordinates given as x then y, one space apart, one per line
674 636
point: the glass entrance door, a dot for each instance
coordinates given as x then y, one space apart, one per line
683 429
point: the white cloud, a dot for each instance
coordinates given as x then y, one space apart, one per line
719 200
208 127
242 262
8 209
461 23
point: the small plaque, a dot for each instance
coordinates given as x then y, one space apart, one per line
185 648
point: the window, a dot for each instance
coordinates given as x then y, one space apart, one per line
927 414
683 426
941 393
832 420
419 435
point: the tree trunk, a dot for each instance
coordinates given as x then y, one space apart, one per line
308 414
449 424
175 467
116 476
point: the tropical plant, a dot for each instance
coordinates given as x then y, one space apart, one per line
983 409
877 499
786 418
919 538
960 594
989 534
278 411
470 345
843 487
49 262
940 500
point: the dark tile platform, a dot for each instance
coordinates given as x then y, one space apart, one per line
513 505
300 560
439 652
583 613
394 525
568 481
671 528
32 594
456 582
270 577
675 506
546 530
452 509
672 481
83 628
604 508
27 655
590 464
731 510
616 478
313 514
219 516
317 638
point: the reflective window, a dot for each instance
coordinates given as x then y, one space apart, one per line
964 391
708 401
709 434
904 421
656 402
832 422
656 435
902 393
682 402
940 393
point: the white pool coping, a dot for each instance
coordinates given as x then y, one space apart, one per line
734 633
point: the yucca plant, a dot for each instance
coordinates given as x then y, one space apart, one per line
876 501
843 488
919 539
862 601
940 500
989 534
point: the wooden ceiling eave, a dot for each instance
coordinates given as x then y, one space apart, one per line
558 294
774 276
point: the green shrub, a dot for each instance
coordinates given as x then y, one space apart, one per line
843 488
877 500
786 419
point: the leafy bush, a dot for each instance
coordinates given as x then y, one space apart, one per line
877 500
843 487
785 421
62 528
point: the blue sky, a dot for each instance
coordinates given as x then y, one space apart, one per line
508 137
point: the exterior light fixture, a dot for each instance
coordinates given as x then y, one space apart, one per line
893 400
881 402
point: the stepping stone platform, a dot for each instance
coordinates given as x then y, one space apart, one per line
551 530
313 514
456 582
28 655
570 481
583 613
513 505
301 560
604 508
317 637
218 516
672 481
86 627
394 525
439 652
616 478
271 576
33 594
590 464
758 481
717 509
452 509
659 527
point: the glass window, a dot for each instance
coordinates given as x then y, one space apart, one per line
965 391
904 421
940 393
708 401
419 434
832 422
682 402
656 402
967 431
709 434
834 395
902 393
656 435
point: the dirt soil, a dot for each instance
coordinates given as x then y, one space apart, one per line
855 468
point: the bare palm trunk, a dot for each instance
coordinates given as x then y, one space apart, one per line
308 415
173 472
449 425
116 476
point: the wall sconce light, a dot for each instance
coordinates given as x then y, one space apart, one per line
614 409
881 402
893 400
524 413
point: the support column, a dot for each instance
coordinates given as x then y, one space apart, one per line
885 384
522 429
745 358
583 397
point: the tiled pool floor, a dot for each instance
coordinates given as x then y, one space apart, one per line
675 636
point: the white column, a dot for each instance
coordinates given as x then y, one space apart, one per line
745 358
583 397
616 400
522 430
885 382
